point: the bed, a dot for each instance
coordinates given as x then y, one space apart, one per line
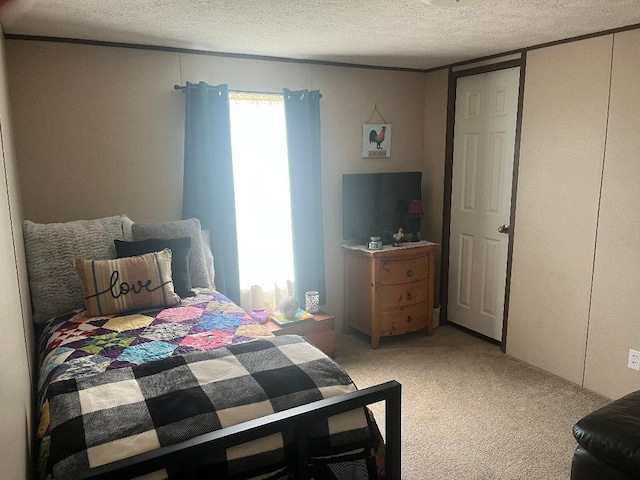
185 387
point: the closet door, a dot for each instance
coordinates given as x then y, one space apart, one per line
614 325
564 123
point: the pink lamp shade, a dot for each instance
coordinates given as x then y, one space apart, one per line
415 208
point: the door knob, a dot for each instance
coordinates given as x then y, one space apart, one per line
504 228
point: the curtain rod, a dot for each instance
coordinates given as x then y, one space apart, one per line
183 88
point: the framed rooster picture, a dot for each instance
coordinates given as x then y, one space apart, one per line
376 140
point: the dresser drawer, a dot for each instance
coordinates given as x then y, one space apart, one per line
403 294
406 319
393 272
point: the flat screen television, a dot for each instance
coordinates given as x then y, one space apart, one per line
375 204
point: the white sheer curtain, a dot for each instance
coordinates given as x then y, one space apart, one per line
263 205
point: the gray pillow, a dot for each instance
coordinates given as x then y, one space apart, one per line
181 228
51 249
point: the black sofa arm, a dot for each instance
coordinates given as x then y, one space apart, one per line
611 435
587 467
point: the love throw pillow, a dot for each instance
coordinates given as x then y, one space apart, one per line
125 284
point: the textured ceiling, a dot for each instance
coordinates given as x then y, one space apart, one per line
392 33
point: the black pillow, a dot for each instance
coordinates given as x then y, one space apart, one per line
179 258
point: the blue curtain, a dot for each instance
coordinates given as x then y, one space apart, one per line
302 110
208 178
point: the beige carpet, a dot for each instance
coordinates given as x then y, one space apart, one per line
468 410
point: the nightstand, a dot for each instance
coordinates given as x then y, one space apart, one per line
319 330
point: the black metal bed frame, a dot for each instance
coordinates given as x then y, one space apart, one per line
296 420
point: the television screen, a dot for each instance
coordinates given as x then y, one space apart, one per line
374 204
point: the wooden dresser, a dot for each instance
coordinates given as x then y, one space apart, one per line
389 291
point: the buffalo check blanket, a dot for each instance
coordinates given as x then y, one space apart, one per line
123 412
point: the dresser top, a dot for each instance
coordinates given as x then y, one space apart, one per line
387 248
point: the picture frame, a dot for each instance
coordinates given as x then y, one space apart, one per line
376 140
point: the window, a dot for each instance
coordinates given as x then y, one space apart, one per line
262 195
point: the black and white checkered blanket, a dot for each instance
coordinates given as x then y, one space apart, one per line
120 413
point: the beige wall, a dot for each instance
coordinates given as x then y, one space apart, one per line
614 325
110 128
562 150
98 131
16 354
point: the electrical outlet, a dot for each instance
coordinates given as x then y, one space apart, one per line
634 360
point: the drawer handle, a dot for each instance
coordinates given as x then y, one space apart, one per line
409 319
409 273
409 296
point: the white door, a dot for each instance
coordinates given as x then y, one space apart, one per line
483 150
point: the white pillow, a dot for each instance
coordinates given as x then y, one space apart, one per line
127 223
208 257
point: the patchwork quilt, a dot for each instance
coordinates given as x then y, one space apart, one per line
162 376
